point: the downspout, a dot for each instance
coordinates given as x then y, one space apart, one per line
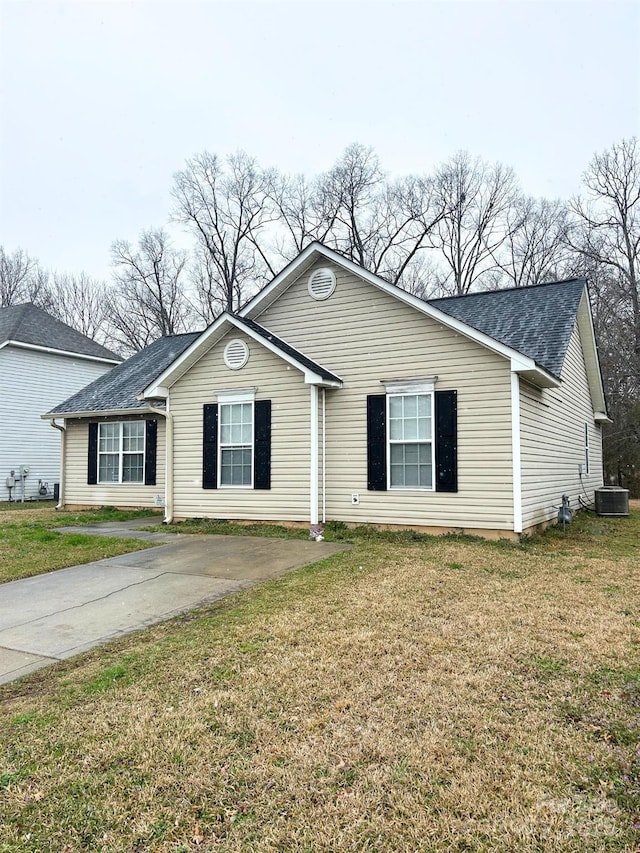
168 460
63 448
313 462
515 453
324 457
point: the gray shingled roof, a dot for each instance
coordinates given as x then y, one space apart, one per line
289 350
30 325
536 321
119 388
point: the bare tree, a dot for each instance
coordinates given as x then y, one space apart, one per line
477 200
228 205
22 280
606 226
382 225
147 299
305 213
81 302
535 247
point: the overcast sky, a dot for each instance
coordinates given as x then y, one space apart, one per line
101 102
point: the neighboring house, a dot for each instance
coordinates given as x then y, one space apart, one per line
336 395
41 360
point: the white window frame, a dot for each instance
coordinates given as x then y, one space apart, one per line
586 448
122 453
400 388
229 399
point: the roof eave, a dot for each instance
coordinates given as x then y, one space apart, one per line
94 413
207 339
53 351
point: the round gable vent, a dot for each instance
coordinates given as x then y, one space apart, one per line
322 283
236 354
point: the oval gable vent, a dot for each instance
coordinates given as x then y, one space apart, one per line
322 283
236 354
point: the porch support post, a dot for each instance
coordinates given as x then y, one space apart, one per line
313 455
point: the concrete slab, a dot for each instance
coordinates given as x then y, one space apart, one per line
13 664
68 632
249 558
25 601
54 616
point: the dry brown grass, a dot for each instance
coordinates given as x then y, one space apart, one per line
442 695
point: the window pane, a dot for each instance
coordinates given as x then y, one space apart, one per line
395 407
109 438
132 468
235 466
236 423
410 407
133 436
411 466
108 468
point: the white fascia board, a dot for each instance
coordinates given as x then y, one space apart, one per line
602 418
590 352
52 351
519 362
204 343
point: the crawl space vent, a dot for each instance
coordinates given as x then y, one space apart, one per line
236 354
322 283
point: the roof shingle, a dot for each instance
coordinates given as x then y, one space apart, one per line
118 389
536 321
27 324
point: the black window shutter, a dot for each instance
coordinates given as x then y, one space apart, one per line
262 444
377 442
210 446
150 452
446 441
92 458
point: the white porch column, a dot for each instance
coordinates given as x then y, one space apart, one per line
313 455
515 453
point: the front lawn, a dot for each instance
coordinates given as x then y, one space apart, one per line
29 547
430 695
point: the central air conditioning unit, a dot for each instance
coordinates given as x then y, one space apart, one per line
612 500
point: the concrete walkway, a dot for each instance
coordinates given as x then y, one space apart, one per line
55 616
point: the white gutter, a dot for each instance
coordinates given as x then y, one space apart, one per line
52 351
313 470
515 453
63 448
100 413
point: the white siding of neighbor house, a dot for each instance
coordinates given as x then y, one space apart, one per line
32 383
272 379
78 492
552 439
364 336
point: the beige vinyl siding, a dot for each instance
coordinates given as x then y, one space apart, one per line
271 379
76 488
552 439
364 336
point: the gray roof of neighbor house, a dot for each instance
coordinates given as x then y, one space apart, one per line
289 350
118 389
27 324
536 321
